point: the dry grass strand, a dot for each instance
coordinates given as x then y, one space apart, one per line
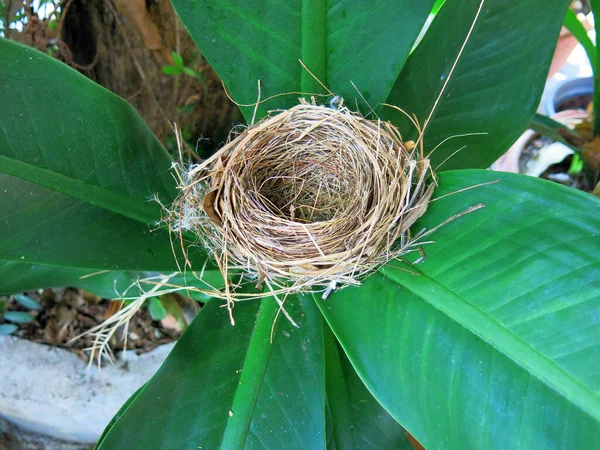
309 199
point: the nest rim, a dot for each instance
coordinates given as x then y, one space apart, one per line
246 227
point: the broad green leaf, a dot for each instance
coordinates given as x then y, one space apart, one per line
118 415
20 277
494 341
43 226
496 85
111 284
97 149
78 171
355 419
342 41
229 387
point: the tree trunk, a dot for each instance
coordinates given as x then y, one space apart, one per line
124 44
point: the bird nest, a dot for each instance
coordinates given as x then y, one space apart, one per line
309 199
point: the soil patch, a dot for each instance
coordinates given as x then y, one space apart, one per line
67 313
581 102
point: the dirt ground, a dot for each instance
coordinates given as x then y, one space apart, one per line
66 314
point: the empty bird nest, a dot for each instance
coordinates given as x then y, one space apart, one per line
307 200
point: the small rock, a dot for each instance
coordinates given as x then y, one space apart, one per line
563 178
74 403
133 336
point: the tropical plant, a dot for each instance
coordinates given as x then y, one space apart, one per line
490 342
11 318
584 140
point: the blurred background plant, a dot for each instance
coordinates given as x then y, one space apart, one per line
9 318
136 49
564 145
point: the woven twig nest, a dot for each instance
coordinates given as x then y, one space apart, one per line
309 199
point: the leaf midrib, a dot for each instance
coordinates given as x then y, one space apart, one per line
140 209
314 50
479 323
232 438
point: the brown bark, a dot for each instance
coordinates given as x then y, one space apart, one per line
123 45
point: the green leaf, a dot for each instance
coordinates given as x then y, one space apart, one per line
355 419
576 164
41 225
436 7
495 87
7 328
557 132
156 309
227 386
21 277
117 416
177 59
494 342
18 317
189 72
572 23
27 302
97 149
276 392
79 169
340 41
171 70
595 5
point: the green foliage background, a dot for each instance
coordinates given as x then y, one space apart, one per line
492 343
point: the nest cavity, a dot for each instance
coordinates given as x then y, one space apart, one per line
309 199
